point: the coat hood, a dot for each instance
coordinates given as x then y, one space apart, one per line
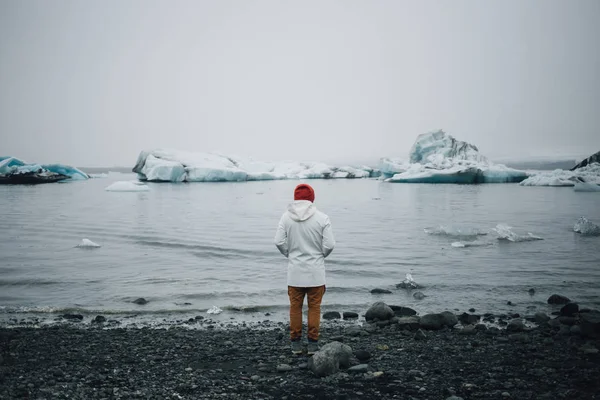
301 210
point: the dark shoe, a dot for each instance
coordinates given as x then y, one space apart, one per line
313 347
296 347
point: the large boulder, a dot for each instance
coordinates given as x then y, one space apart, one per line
432 321
332 315
515 325
403 311
569 309
541 317
558 299
408 323
469 319
330 359
350 315
590 324
449 319
380 311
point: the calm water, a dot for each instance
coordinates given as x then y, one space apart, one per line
211 244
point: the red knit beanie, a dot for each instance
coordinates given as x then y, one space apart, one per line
304 192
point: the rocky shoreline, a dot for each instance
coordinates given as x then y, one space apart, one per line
394 354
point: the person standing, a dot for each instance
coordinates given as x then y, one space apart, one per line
305 237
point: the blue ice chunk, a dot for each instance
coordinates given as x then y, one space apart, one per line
67 170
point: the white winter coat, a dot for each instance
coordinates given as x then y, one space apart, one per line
305 237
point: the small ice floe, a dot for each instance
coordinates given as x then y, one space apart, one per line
455 231
88 244
586 227
408 283
127 186
505 232
214 310
586 187
458 244
98 176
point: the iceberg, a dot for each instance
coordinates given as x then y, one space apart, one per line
88 244
586 187
437 157
17 171
181 166
586 227
589 173
505 232
127 186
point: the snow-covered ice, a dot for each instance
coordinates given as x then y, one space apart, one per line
88 244
559 177
586 227
127 186
437 157
178 166
452 231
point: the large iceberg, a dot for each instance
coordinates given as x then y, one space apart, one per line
437 157
17 171
182 166
590 174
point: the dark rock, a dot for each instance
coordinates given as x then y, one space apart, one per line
468 319
362 355
590 324
432 321
382 324
468 330
471 310
420 335
353 331
403 311
481 327
359 368
450 319
73 317
570 321
419 295
410 323
515 325
558 299
380 311
515 315
509 303
99 319
569 309
350 315
330 359
140 301
531 291
332 315
575 330
519 337
284 368
380 291
540 318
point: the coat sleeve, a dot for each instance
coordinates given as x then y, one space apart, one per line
281 238
328 239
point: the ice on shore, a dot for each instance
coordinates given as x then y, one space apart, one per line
179 166
437 157
88 244
586 227
214 310
127 186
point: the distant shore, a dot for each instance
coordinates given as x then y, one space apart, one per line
391 359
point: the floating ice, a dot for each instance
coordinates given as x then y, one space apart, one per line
11 166
586 227
588 174
88 244
505 232
586 187
458 244
98 176
444 230
179 166
127 186
437 157
214 310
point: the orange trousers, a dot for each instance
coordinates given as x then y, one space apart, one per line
314 295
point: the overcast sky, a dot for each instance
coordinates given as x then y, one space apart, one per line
91 83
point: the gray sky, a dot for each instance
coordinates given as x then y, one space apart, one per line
92 83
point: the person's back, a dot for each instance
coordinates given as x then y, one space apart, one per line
305 237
